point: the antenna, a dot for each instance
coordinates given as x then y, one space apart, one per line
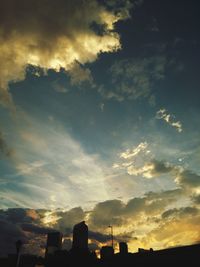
111 233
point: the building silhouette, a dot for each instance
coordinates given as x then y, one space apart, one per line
142 250
80 236
123 248
106 252
54 243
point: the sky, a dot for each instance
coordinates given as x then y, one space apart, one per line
99 121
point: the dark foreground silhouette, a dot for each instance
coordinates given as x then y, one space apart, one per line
180 256
79 255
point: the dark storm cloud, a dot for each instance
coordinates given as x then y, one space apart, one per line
153 203
99 236
117 213
161 167
53 35
106 213
20 215
69 218
105 238
23 224
17 215
196 199
9 234
180 213
168 194
188 179
36 229
125 237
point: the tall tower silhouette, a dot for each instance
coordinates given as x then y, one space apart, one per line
80 236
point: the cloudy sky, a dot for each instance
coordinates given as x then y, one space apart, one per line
99 121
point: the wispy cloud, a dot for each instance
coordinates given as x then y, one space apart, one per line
134 78
162 114
52 169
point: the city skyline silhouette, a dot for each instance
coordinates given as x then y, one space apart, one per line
81 255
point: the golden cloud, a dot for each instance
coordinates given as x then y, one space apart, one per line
52 35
